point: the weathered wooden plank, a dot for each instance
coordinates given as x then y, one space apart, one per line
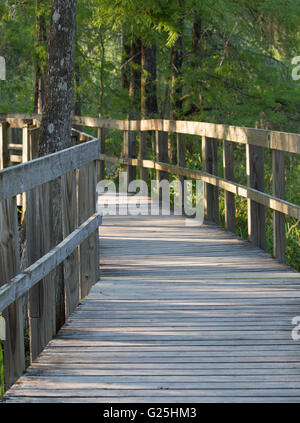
15 159
154 399
101 165
69 220
264 138
4 153
256 211
161 154
210 165
143 155
279 218
20 285
42 316
14 354
89 249
129 151
18 179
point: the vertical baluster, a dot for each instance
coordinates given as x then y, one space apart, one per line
256 211
279 218
89 249
210 165
14 354
228 163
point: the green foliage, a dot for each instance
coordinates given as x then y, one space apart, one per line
236 69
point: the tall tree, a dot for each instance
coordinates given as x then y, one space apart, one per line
59 80
41 40
56 124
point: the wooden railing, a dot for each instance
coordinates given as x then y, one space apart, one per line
35 178
56 277
255 141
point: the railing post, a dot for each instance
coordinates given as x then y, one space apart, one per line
14 355
279 218
25 157
25 144
256 211
228 161
143 155
129 151
101 163
42 297
162 155
89 249
181 160
4 153
69 222
210 165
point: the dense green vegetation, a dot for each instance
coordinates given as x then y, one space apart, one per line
215 61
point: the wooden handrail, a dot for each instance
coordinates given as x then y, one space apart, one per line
276 140
74 172
267 200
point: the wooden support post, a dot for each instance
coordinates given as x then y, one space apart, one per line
101 163
25 157
25 144
129 150
255 179
210 165
143 155
89 249
181 160
4 153
14 354
162 155
279 218
42 298
228 161
71 264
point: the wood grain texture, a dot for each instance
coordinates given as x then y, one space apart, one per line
260 137
279 218
211 192
228 165
42 314
183 313
89 249
69 222
14 354
4 153
256 180
18 179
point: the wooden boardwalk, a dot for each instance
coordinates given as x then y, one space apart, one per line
182 314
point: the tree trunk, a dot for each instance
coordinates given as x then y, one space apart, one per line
125 74
59 81
177 54
41 39
55 131
148 84
135 78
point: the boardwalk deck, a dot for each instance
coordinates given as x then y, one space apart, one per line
182 314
